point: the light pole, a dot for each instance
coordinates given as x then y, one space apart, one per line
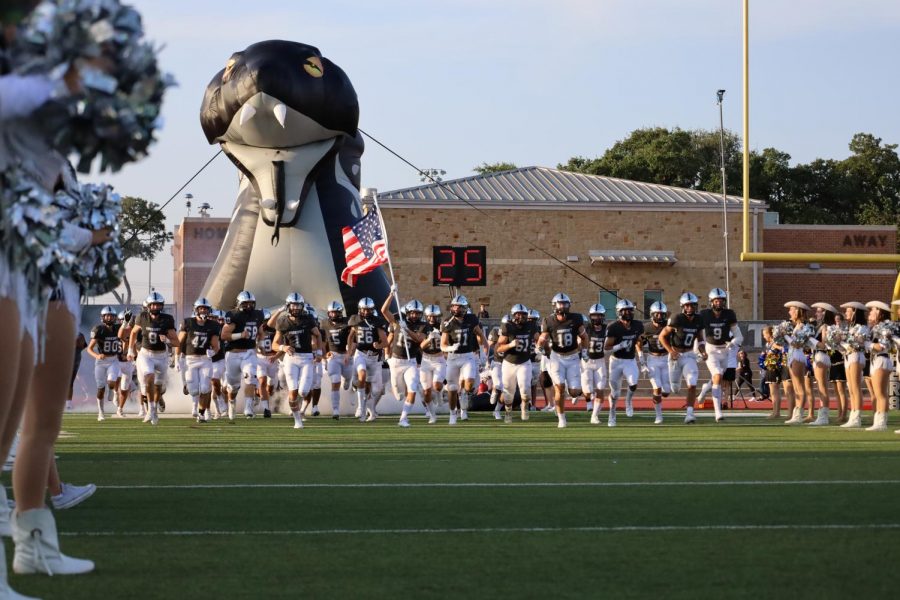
720 94
187 202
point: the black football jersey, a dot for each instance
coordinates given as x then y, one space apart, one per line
563 334
462 332
686 331
108 342
154 331
596 340
297 333
433 346
264 343
717 327
199 336
620 332
336 333
523 336
651 338
400 343
223 345
249 321
366 332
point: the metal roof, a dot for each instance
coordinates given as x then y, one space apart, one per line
664 257
542 185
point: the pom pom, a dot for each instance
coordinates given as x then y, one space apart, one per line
115 117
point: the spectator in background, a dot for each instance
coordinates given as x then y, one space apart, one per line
483 312
745 373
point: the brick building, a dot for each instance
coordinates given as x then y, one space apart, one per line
641 241
194 249
834 283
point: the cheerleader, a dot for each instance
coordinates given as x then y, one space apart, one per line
825 314
854 358
882 334
838 375
796 358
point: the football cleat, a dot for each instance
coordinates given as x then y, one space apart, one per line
267 414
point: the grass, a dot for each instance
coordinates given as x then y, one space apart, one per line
343 510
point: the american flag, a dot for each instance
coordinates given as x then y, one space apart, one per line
364 247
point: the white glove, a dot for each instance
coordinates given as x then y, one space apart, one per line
452 347
620 346
394 288
131 355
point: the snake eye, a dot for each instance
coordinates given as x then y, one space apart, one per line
313 66
229 67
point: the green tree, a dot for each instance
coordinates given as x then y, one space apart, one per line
143 231
485 168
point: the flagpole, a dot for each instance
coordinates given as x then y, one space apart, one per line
387 251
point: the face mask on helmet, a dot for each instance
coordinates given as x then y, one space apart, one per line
247 306
562 308
202 312
155 308
626 314
108 318
519 318
717 304
597 318
458 310
658 318
295 309
413 316
689 309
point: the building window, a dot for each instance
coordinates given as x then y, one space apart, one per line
651 296
608 299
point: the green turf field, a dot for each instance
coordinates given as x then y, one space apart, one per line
745 509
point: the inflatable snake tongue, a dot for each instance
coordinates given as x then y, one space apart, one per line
274 108
287 118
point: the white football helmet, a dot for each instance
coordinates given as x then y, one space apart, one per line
459 306
334 307
625 309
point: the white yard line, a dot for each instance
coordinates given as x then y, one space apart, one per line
488 484
495 530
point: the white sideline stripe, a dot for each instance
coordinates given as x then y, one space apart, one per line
479 484
599 529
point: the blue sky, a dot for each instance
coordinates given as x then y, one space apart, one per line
455 83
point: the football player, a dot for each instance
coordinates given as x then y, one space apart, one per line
241 331
266 365
155 328
623 341
105 346
367 338
594 372
462 339
656 364
723 337
218 369
406 338
315 392
297 335
433 368
495 365
568 341
683 340
516 342
199 339
126 367
538 365
336 333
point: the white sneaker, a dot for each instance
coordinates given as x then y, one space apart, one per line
358 412
72 495
463 415
524 414
629 408
120 412
853 421
452 417
370 416
796 417
432 419
100 417
821 417
548 408
497 415
595 420
879 423
689 419
37 546
404 422
658 420
146 417
195 413
611 421
562 422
